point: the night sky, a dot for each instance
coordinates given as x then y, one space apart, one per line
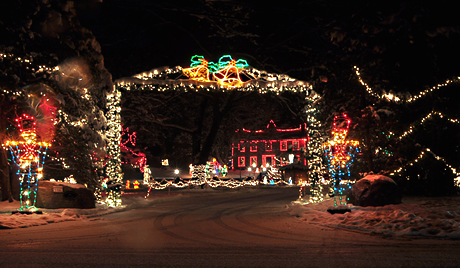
404 45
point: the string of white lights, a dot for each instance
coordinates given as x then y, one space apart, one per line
423 153
424 119
392 97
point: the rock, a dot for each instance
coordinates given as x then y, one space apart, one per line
52 194
375 190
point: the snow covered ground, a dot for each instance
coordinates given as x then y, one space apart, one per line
436 217
8 220
428 217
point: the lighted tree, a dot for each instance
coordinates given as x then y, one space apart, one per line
62 58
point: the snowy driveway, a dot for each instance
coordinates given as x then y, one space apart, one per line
247 228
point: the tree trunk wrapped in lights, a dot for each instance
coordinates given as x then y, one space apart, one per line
113 168
315 151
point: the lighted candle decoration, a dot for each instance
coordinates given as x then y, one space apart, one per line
340 154
29 155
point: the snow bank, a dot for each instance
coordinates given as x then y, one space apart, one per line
417 217
11 221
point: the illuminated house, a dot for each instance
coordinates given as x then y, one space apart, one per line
269 147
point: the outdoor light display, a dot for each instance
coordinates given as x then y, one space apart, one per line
340 154
113 166
202 75
392 97
214 168
315 152
429 116
199 173
135 158
226 72
29 155
264 145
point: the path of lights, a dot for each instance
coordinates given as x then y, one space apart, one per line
213 182
340 154
29 155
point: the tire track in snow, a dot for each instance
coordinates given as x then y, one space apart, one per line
181 213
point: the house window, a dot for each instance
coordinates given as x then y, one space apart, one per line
296 145
268 160
241 147
283 145
268 146
253 147
253 161
241 161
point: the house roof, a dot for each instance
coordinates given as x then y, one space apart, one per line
272 132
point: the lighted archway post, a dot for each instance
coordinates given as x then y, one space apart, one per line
113 167
227 74
340 154
315 152
29 155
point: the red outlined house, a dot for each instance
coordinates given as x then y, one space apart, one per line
271 146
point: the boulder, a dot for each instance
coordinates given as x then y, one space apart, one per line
375 190
53 194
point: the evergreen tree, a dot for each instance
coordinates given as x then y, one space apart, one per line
45 50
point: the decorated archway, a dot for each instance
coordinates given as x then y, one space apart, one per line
227 74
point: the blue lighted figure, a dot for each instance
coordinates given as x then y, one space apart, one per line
29 155
340 154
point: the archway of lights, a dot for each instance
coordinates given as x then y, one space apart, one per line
225 75
264 82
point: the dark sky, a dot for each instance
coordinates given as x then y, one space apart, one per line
402 44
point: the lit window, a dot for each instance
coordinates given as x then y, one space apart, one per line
241 161
241 147
296 145
253 147
283 145
268 146
268 160
253 161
